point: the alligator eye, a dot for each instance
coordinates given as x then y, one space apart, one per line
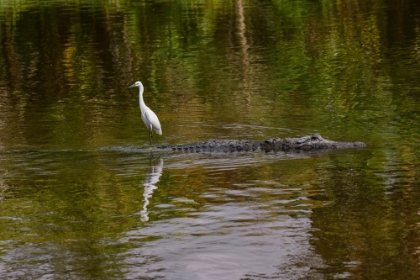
314 138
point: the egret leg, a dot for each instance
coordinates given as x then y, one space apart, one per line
151 138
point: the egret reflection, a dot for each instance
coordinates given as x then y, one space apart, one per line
152 177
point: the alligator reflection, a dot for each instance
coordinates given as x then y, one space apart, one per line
152 177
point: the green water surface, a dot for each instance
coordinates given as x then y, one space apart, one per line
81 198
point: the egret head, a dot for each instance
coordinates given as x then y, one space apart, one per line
136 84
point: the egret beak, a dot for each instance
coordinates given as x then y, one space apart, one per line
134 85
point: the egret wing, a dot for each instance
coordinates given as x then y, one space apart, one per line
150 119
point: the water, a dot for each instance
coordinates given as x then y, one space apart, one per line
81 198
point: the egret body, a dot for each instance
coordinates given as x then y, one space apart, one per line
147 115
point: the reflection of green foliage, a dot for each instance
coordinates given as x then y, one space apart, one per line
306 66
291 58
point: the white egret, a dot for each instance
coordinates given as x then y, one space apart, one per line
147 115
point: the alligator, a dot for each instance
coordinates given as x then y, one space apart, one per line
305 143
